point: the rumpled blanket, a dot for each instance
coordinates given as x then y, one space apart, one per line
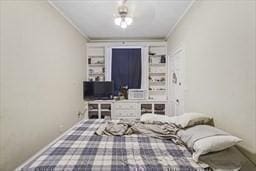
128 127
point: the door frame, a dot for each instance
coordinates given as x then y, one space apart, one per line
182 70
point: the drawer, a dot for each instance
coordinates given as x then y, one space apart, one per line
126 118
126 113
129 106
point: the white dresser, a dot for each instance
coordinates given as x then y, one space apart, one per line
125 109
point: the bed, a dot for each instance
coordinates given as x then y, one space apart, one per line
81 149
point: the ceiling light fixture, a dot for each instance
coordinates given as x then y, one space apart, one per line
123 20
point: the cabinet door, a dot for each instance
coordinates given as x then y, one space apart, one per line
159 109
93 111
105 110
146 108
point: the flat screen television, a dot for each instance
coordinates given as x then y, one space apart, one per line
98 89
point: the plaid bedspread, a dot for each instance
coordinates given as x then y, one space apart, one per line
80 149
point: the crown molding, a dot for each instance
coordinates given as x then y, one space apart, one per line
179 19
68 19
127 39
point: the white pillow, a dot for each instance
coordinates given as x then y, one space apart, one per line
191 119
213 144
150 118
203 139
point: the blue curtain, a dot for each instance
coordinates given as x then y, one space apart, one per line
126 68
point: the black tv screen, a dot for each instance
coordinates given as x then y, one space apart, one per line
88 89
98 89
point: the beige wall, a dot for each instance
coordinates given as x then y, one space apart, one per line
219 42
42 68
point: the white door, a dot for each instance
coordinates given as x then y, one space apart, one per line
176 75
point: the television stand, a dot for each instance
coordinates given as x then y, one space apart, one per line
125 109
103 98
97 98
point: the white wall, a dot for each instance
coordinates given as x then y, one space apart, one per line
219 42
42 67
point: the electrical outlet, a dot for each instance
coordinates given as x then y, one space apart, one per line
79 114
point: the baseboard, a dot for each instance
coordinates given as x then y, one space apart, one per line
251 156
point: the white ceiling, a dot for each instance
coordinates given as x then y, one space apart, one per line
153 19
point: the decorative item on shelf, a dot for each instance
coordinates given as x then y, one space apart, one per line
97 78
103 70
90 71
89 60
162 79
174 78
124 91
163 59
91 79
151 53
150 78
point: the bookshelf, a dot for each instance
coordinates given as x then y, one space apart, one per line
157 88
96 63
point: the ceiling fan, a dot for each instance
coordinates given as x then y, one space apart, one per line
123 20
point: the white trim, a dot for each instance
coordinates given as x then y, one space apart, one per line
68 19
104 40
126 43
144 56
108 63
47 146
126 47
179 19
182 68
254 90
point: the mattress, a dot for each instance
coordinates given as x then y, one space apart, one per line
81 149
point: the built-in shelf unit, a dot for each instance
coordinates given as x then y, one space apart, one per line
157 89
96 63
156 81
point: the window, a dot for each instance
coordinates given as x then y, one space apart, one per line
126 68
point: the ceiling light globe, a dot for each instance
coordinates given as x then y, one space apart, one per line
123 25
128 20
118 21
